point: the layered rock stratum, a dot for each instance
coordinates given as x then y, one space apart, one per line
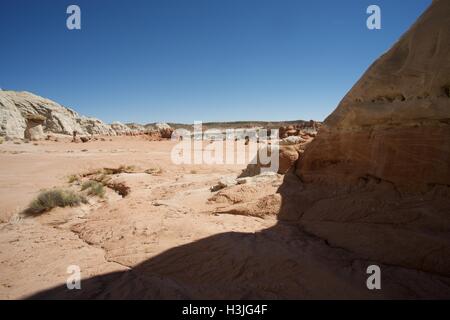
376 180
394 124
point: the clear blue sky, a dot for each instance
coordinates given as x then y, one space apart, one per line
185 60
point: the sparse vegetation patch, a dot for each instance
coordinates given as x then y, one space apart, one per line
50 199
93 188
100 178
73 178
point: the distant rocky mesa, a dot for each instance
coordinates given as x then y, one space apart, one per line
24 115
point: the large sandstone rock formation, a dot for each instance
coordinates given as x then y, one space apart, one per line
395 123
376 180
16 106
165 130
19 112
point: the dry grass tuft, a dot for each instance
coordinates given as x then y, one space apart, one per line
102 178
73 178
121 169
50 199
93 188
154 171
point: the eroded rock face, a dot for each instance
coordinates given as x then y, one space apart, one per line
34 130
395 122
121 129
252 196
307 128
288 154
376 180
164 130
137 129
95 126
15 106
12 123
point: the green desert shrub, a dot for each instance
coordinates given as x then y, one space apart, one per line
1 140
87 184
93 188
50 199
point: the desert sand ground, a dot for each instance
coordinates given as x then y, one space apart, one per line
161 212
164 239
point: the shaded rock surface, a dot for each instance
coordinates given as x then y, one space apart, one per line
34 130
288 154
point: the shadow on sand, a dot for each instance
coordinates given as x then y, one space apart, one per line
281 262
